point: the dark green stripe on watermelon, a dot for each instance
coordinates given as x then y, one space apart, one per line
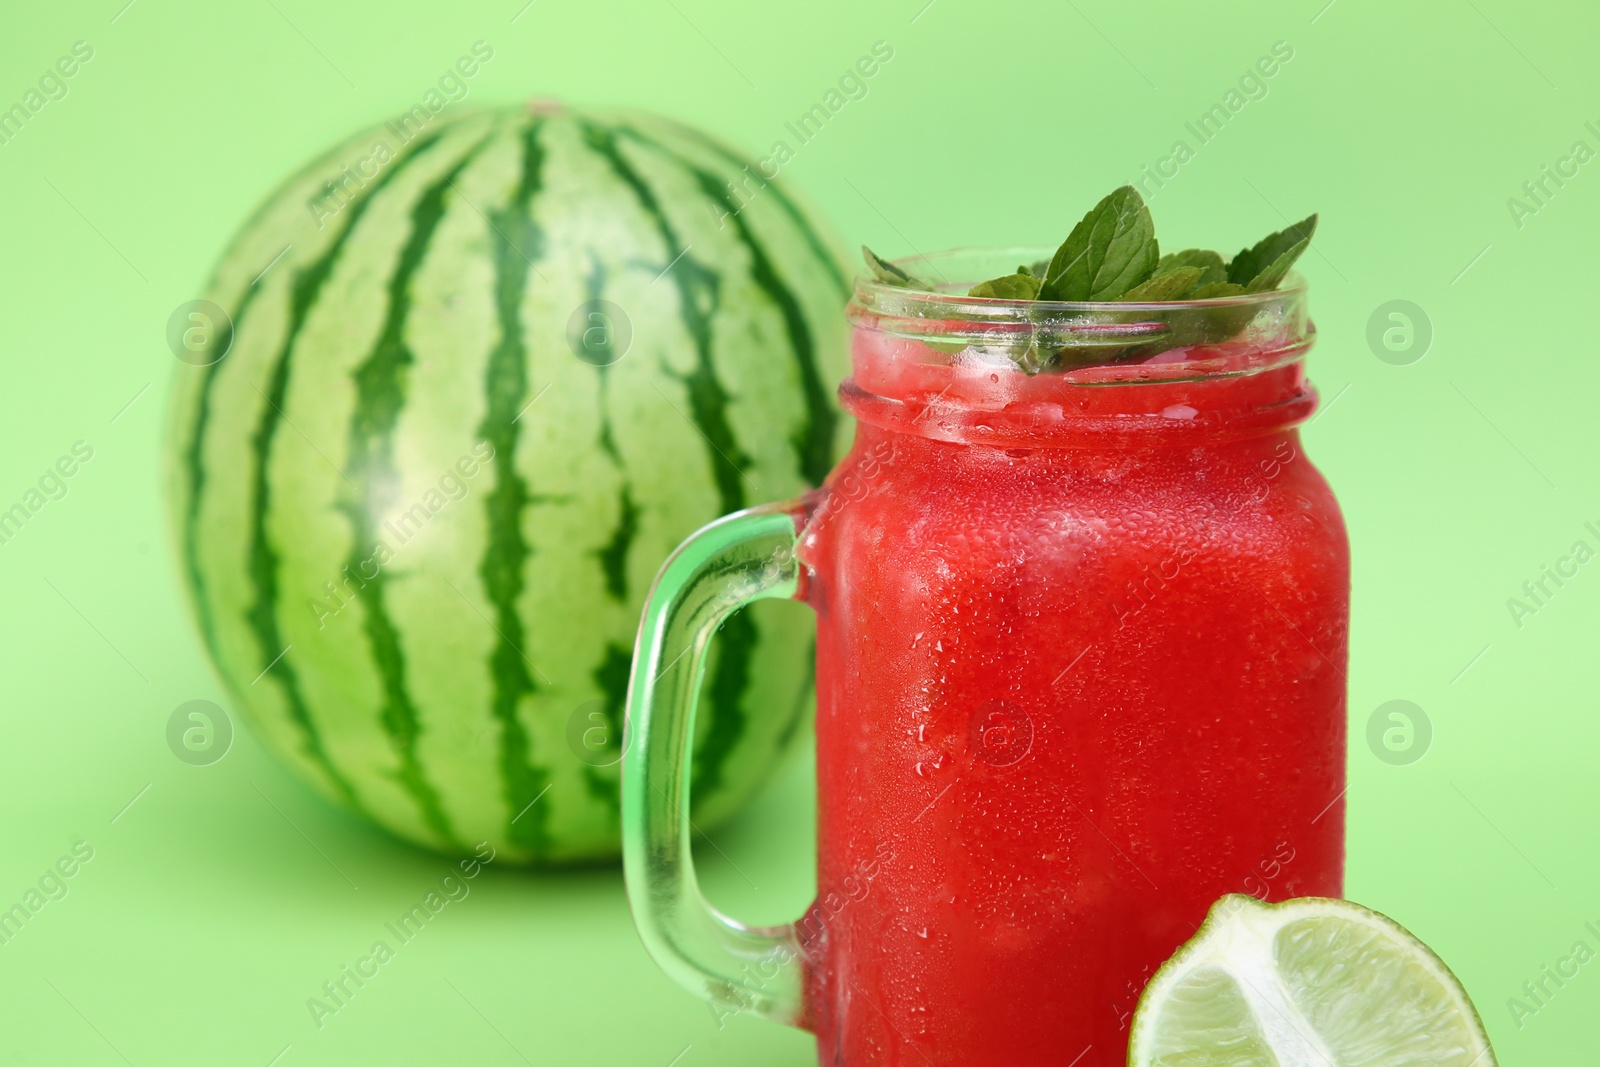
193 462
517 241
262 615
611 676
612 679
194 465
830 262
812 441
736 641
699 291
613 555
380 383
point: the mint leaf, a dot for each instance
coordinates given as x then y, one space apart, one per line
1253 262
1209 261
1023 268
1018 286
1216 290
1111 250
1273 274
1038 268
1169 285
889 274
1212 325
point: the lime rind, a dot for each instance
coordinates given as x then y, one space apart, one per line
1311 982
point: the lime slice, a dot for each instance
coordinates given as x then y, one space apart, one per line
1311 982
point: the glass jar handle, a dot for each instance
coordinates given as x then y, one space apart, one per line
734 561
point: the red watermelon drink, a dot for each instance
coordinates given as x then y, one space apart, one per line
1080 672
1082 607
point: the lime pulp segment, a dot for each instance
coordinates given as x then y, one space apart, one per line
1311 982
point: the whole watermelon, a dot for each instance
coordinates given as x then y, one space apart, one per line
480 375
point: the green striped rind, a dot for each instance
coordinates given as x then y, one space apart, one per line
505 562
381 392
401 474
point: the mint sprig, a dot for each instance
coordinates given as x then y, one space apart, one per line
1112 255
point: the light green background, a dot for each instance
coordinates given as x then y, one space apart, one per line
224 896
